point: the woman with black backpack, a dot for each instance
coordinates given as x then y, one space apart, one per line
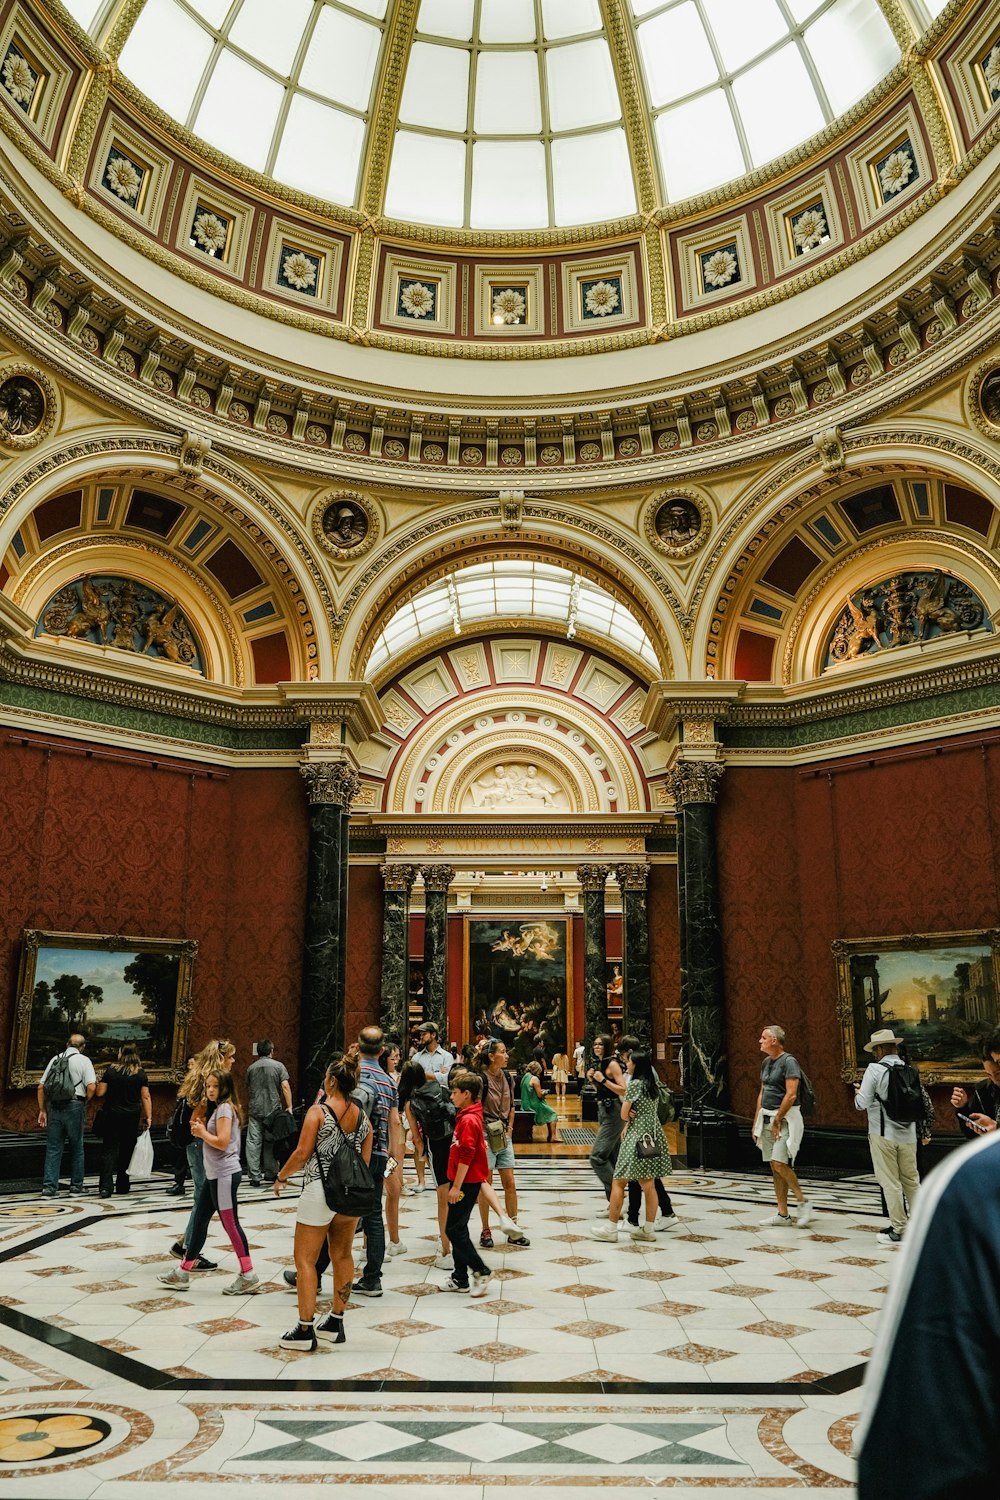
430 1115
338 1124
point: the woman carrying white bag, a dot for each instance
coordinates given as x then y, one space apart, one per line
126 1110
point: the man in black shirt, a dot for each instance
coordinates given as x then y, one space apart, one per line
981 1105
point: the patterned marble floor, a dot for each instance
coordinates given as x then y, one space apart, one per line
723 1355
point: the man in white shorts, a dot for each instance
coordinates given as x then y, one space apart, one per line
777 1127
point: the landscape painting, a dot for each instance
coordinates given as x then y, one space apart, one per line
936 991
518 975
113 990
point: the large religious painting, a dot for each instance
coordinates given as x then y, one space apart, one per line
518 983
936 991
112 989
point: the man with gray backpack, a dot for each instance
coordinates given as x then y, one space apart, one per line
64 1088
890 1092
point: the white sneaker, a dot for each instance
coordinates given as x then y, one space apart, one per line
243 1286
508 1226
777 1221
666 1222
642 1232
805 1215
480 1283
601 1231
177 1279
444 1263
395 1248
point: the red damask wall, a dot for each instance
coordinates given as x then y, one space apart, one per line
103 841
900 843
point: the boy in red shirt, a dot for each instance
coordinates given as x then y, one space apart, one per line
467 1171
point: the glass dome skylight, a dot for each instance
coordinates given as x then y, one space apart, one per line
508 590
512 113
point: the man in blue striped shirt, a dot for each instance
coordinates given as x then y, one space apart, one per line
377 1095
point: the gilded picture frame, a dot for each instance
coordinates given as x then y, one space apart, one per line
112 988
937 991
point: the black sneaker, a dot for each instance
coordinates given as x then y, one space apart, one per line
518 1239
300 1337
331 1329
177 1250
176 1190
254 1181
366 1288
201 1264
291 1278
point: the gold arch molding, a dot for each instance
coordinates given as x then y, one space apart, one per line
457 551
903 551
783 498
583 752
250 511
226 657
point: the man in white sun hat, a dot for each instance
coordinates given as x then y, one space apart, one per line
890 1091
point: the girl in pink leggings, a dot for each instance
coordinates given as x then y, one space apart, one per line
220 1134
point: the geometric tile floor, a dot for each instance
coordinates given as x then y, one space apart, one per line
724 1356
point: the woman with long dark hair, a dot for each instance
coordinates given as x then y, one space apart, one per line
338 1124
643 1154
126 1109
428 1111
219 1134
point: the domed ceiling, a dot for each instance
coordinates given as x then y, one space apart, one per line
514 114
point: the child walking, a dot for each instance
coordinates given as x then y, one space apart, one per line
467 1171
220 1134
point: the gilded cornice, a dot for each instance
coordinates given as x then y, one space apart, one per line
964 265
30 669
818 701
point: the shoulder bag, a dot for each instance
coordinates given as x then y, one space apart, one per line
348 1186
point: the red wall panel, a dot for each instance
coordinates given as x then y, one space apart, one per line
103 841
899 843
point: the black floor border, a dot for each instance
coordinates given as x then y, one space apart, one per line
145 1377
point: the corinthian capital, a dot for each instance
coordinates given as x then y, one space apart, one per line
437 877
399 877
632 877
331 782
593 877
694 781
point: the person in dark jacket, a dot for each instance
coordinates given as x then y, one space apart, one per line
981 1105
929 1424
126 1109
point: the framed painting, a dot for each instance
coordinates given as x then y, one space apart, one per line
616 989
936 990
114 990
519 982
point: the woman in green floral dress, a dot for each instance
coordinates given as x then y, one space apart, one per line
641 1123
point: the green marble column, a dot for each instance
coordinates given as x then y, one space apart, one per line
437 879
638 1020
695 785
331 787
593 879
397 882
